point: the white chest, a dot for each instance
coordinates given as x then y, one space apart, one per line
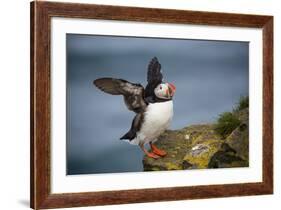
157 119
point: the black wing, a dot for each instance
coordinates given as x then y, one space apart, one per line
154 77
133 93
135 127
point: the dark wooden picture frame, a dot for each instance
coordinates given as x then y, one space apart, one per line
41 14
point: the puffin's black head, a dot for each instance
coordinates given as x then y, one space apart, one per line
165 90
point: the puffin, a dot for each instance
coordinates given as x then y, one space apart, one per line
152 105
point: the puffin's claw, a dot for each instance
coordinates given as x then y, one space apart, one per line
149 154
157 151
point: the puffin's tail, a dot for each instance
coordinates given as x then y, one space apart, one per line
130 135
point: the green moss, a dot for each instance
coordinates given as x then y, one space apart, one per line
226 123
201 159
155 169
173 166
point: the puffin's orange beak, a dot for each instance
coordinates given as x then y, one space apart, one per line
172 89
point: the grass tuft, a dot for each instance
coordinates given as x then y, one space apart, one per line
242 104
226 123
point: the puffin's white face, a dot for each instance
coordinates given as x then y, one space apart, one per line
165 90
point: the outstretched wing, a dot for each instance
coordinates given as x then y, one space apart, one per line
133 93
154 77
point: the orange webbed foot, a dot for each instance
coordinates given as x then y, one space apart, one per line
157 151
152 155
149 154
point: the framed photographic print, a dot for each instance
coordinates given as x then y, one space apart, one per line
139 105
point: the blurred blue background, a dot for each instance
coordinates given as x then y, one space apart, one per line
210 77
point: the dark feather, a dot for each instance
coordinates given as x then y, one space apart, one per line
154 77
133 93
154 74
135 127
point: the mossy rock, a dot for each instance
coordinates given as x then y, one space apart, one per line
200 147
175 143
227 157
239 138
199 156
179 144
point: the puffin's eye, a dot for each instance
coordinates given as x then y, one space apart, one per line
160 87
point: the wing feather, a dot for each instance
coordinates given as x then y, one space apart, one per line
154 74
133 93
154 77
